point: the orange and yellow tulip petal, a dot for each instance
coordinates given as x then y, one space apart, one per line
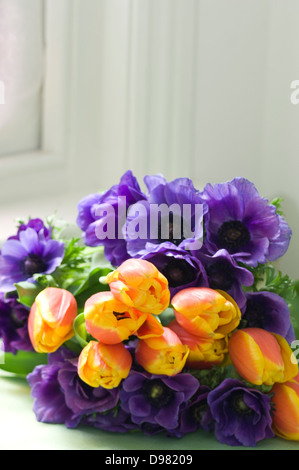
51 318
204 353
150 328
246 357
206 312
290 363
286 410
261 357
110 321
138 283
104 365
163 355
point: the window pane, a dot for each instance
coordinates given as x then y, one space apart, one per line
21 74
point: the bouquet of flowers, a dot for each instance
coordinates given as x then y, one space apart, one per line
161 312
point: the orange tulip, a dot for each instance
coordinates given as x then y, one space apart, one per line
286 410
110 321
163 355
204 353
51 318
261 357
104 365
206 312
138 283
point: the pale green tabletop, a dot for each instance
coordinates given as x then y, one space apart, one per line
21 431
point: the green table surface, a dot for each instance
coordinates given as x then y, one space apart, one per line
21 431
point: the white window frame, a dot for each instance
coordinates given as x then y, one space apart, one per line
40 172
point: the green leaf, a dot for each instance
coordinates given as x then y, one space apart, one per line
27 291
277 203
23 362
91 285
294 309
167 316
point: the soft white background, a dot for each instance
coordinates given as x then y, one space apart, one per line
197 88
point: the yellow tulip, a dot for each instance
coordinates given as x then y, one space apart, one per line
138 283
104 365
110 321
204 352
163 355
206 312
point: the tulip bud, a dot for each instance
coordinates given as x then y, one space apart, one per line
104 365
163 355
206 312
138 283
285 398
204 353
110 321
261 357
51 317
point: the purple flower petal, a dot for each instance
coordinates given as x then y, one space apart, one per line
13 249
241 221
242 415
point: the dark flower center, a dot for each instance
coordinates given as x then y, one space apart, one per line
198 411
174 228
239 405
120 315
233 235
15 319
178 272
220 276
254 314
33 264
157 393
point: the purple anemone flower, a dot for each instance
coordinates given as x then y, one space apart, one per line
13 324
32 253
269 311
155 401
172 212
180 268
113 421
224 273
242 415
37 225
60 396
101 217
195 414
244 223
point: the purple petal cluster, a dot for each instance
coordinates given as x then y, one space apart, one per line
154 402
61 397
99 210
244 223
242 415
180 268
30 253
37 225
195 414
13 324
270 312
224 273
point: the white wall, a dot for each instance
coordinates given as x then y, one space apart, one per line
197 88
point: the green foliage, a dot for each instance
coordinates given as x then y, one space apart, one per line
23 362
277 202
268 278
